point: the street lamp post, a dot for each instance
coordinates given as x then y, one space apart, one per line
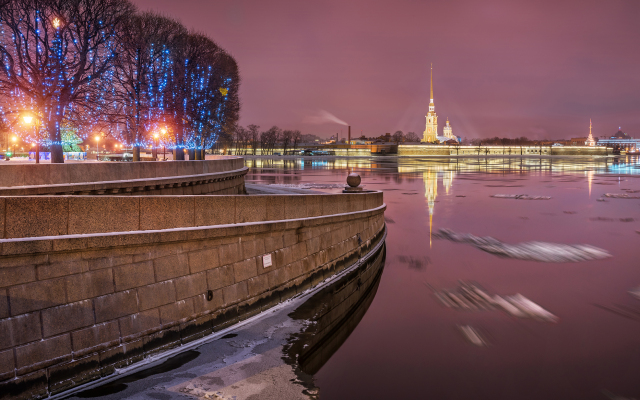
14 139
155 147
28 119
164 131
97 148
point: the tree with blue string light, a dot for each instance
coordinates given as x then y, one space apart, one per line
98 67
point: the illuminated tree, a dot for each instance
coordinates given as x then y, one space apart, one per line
53 56
143 67
70 139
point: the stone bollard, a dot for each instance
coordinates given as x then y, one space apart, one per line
353 180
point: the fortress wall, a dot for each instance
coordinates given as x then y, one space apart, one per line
73 308
437 150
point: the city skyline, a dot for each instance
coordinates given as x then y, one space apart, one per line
503 68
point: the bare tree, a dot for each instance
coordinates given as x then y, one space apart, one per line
286 137
397 136
411 137
296 138
53 55
254 137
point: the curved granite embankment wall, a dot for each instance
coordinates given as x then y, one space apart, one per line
74 307
222 175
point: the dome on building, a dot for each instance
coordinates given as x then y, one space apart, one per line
620 135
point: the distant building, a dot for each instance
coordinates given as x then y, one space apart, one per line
579 141
620 140
620 135
590 141
431 129
448 137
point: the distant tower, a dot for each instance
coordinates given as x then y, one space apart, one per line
431 129
447 131
590 141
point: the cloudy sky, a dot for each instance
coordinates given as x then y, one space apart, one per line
501 68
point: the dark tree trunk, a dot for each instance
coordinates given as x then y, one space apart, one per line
178 153
192 154
136 153
57 155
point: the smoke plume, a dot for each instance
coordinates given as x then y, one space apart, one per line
323 117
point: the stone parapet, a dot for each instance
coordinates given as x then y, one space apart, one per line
140 178
74 307
46 216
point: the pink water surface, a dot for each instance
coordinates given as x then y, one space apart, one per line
408 345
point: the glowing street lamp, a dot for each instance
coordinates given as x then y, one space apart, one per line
56 23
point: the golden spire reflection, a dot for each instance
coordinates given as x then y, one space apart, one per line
431 192
589 180
430 178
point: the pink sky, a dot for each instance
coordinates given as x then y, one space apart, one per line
501 68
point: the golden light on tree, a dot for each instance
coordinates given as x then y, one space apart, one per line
56 22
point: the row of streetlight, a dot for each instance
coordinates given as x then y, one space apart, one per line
28 119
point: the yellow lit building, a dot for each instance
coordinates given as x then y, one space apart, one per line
431 128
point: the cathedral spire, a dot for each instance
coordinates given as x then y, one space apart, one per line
431 98
590 141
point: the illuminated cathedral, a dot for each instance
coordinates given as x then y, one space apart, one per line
431 129
430 134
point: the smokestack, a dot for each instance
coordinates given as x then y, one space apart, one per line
349 140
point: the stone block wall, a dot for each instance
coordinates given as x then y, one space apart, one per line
73 308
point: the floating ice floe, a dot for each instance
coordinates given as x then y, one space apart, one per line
470 297
612 396
533 251
520 197
620 196
531 309
635 292
472 335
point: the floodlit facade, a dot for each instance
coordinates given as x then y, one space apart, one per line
590 141
431 128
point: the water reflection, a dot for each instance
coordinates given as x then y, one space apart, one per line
410 345
331 315
599 165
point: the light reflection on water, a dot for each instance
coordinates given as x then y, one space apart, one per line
408 344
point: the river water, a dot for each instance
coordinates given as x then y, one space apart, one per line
400 326
410 345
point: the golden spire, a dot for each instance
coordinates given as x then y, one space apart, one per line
431 98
